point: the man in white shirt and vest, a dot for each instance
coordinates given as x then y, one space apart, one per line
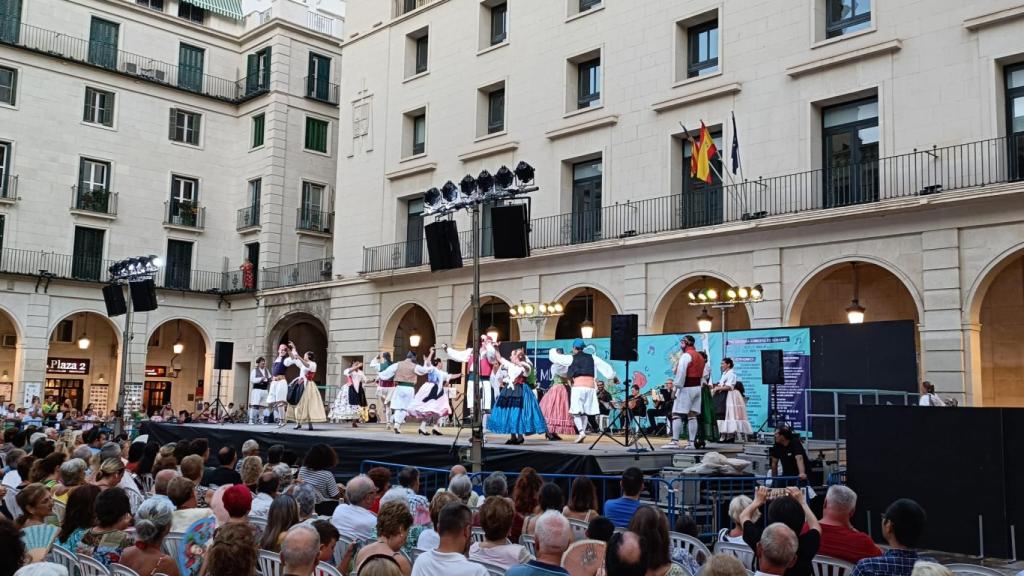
687 386
259 378
404 374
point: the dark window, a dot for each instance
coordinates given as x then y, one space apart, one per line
65 389
588 4
414 232
152 4
422 43
87 259
93 193
496 111
845 16
311 214
64 332
419 133
586 201
8 85
5 170
316 134
318 80
184 203
99 107
103 43
486 222
850 154
257 72
1015 119
2 222
700 203
155 395
577 311
190 68
408 6
10 21
252 253
190 12
702 51
257 130
184 126
178 271
255 190
499 23
589 82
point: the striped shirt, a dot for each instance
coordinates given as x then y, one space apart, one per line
322 481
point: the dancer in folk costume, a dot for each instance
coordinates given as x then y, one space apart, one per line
404 374
431 401
260 379
310 405
380 363
555 407
516 411
488 351
582 368
277 398
735 424
689 371
348 404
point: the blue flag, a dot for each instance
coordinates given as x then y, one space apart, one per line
735 146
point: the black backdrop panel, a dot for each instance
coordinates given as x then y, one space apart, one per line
875 355
950 460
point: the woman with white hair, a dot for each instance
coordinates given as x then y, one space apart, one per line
462 487
72 475
152 524
736 507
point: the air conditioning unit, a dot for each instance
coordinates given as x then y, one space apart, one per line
9 340
131 68
326 268
159 75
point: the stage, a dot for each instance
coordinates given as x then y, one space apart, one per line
374 442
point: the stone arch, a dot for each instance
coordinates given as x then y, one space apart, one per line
461 335
397 326
177 375
203 332
104 352
10 358
604 306
673 298
92 312
315 341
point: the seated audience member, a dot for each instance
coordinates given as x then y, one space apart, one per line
409 487
162 479
454 524
266 491
380 566
233 552
651 525
225 472
429 538
328 539
496 484
107 539
737 505
791 510
11 477
473 498
685 524
549 498
776 550
42 569
582 500
72 475
274 454
600 528
305 497
36 505
462 487
250 469
839 539
526 499
722 565
381 478
354 518
79 516
192 468
182 493
393 525
625 555
283 514
316 471
902 527
620 510
496 516
925 568
237 501
300 549
553 538
152 524
15 555
249 448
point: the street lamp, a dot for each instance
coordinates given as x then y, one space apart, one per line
178 347
414 339
83 341
704 321
855 312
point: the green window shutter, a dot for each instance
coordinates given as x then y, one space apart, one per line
309 134
190 67
88 114
197 127
81 174
251 63
265 80
257 130
108 110
173 119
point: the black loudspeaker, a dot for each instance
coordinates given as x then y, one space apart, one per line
771 367
624 337
222 352
443 247
510 233
113 297
143 295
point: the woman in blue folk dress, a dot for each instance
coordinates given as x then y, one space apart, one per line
516 411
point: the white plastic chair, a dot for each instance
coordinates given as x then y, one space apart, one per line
89 566
135 499
741 552
530 542
147 482
492 570
270 563
122 570
58 509
11 501
325 569
579 529
972 570
692 546
172 543
828 566
478 534
64 557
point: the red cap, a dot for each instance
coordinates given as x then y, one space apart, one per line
237 500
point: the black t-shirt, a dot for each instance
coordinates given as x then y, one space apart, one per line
221 476
787 456
807 547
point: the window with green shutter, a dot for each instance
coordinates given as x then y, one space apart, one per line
257 130
99 107
10 21
103 43
257 72
184 126
8 85
190 68
319 77
316 135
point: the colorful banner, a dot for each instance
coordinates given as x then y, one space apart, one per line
658 354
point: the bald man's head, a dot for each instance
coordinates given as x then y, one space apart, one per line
162 479
457 470
624 555
300 549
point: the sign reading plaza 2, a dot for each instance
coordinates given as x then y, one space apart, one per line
67 365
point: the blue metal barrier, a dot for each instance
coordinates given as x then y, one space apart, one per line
706 498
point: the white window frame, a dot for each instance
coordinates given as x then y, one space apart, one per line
97 94
179 196
185 122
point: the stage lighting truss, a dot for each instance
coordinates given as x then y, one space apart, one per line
503 185
527 311
137 268
731 295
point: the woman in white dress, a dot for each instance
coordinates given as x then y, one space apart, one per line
735 423
350 399
431 401
310 406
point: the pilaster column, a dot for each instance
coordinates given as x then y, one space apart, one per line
634 298
940 329
768 273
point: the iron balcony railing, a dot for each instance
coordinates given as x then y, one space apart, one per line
187 214
918 173
8 188
322 24
321 89
309 272
311 219
89 268
109 57
248 217
97 199
404 6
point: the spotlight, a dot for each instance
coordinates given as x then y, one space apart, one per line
743 292
156 261
704 321
503 178
467 185
524 173
757 292
450 192
703 297
731 293
692 294
543 308
712 294
559 308
529 308
485 183
432 199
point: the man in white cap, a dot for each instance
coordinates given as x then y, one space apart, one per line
582 369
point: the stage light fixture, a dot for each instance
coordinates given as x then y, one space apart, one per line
524 173
468 186
712 294
485 183
504 178
432 200
757 292
730 293
450 192
704 321
743 292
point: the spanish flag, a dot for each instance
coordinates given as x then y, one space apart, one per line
701 153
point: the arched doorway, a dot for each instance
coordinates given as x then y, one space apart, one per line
410 329
493 314
10 338
674 315
1001 316
83 362
826 297
175 369
309 335
583 306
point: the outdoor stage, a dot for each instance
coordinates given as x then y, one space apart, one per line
373 442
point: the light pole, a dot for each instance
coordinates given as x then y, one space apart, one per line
710 297
537 314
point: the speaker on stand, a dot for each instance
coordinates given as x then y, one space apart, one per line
774 375
222 360
624 349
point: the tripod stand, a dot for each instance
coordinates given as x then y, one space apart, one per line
772 419
474 431
626 416
217 407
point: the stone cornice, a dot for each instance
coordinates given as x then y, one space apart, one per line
994 18
697 96
411 171
579 127
488 151
864 53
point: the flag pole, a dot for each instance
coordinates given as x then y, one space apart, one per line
743 204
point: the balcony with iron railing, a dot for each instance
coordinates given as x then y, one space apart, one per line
108 57
314 220
400 7
321 89
297 274
299 14
94 200
8 188
883 181
248 218
183 214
